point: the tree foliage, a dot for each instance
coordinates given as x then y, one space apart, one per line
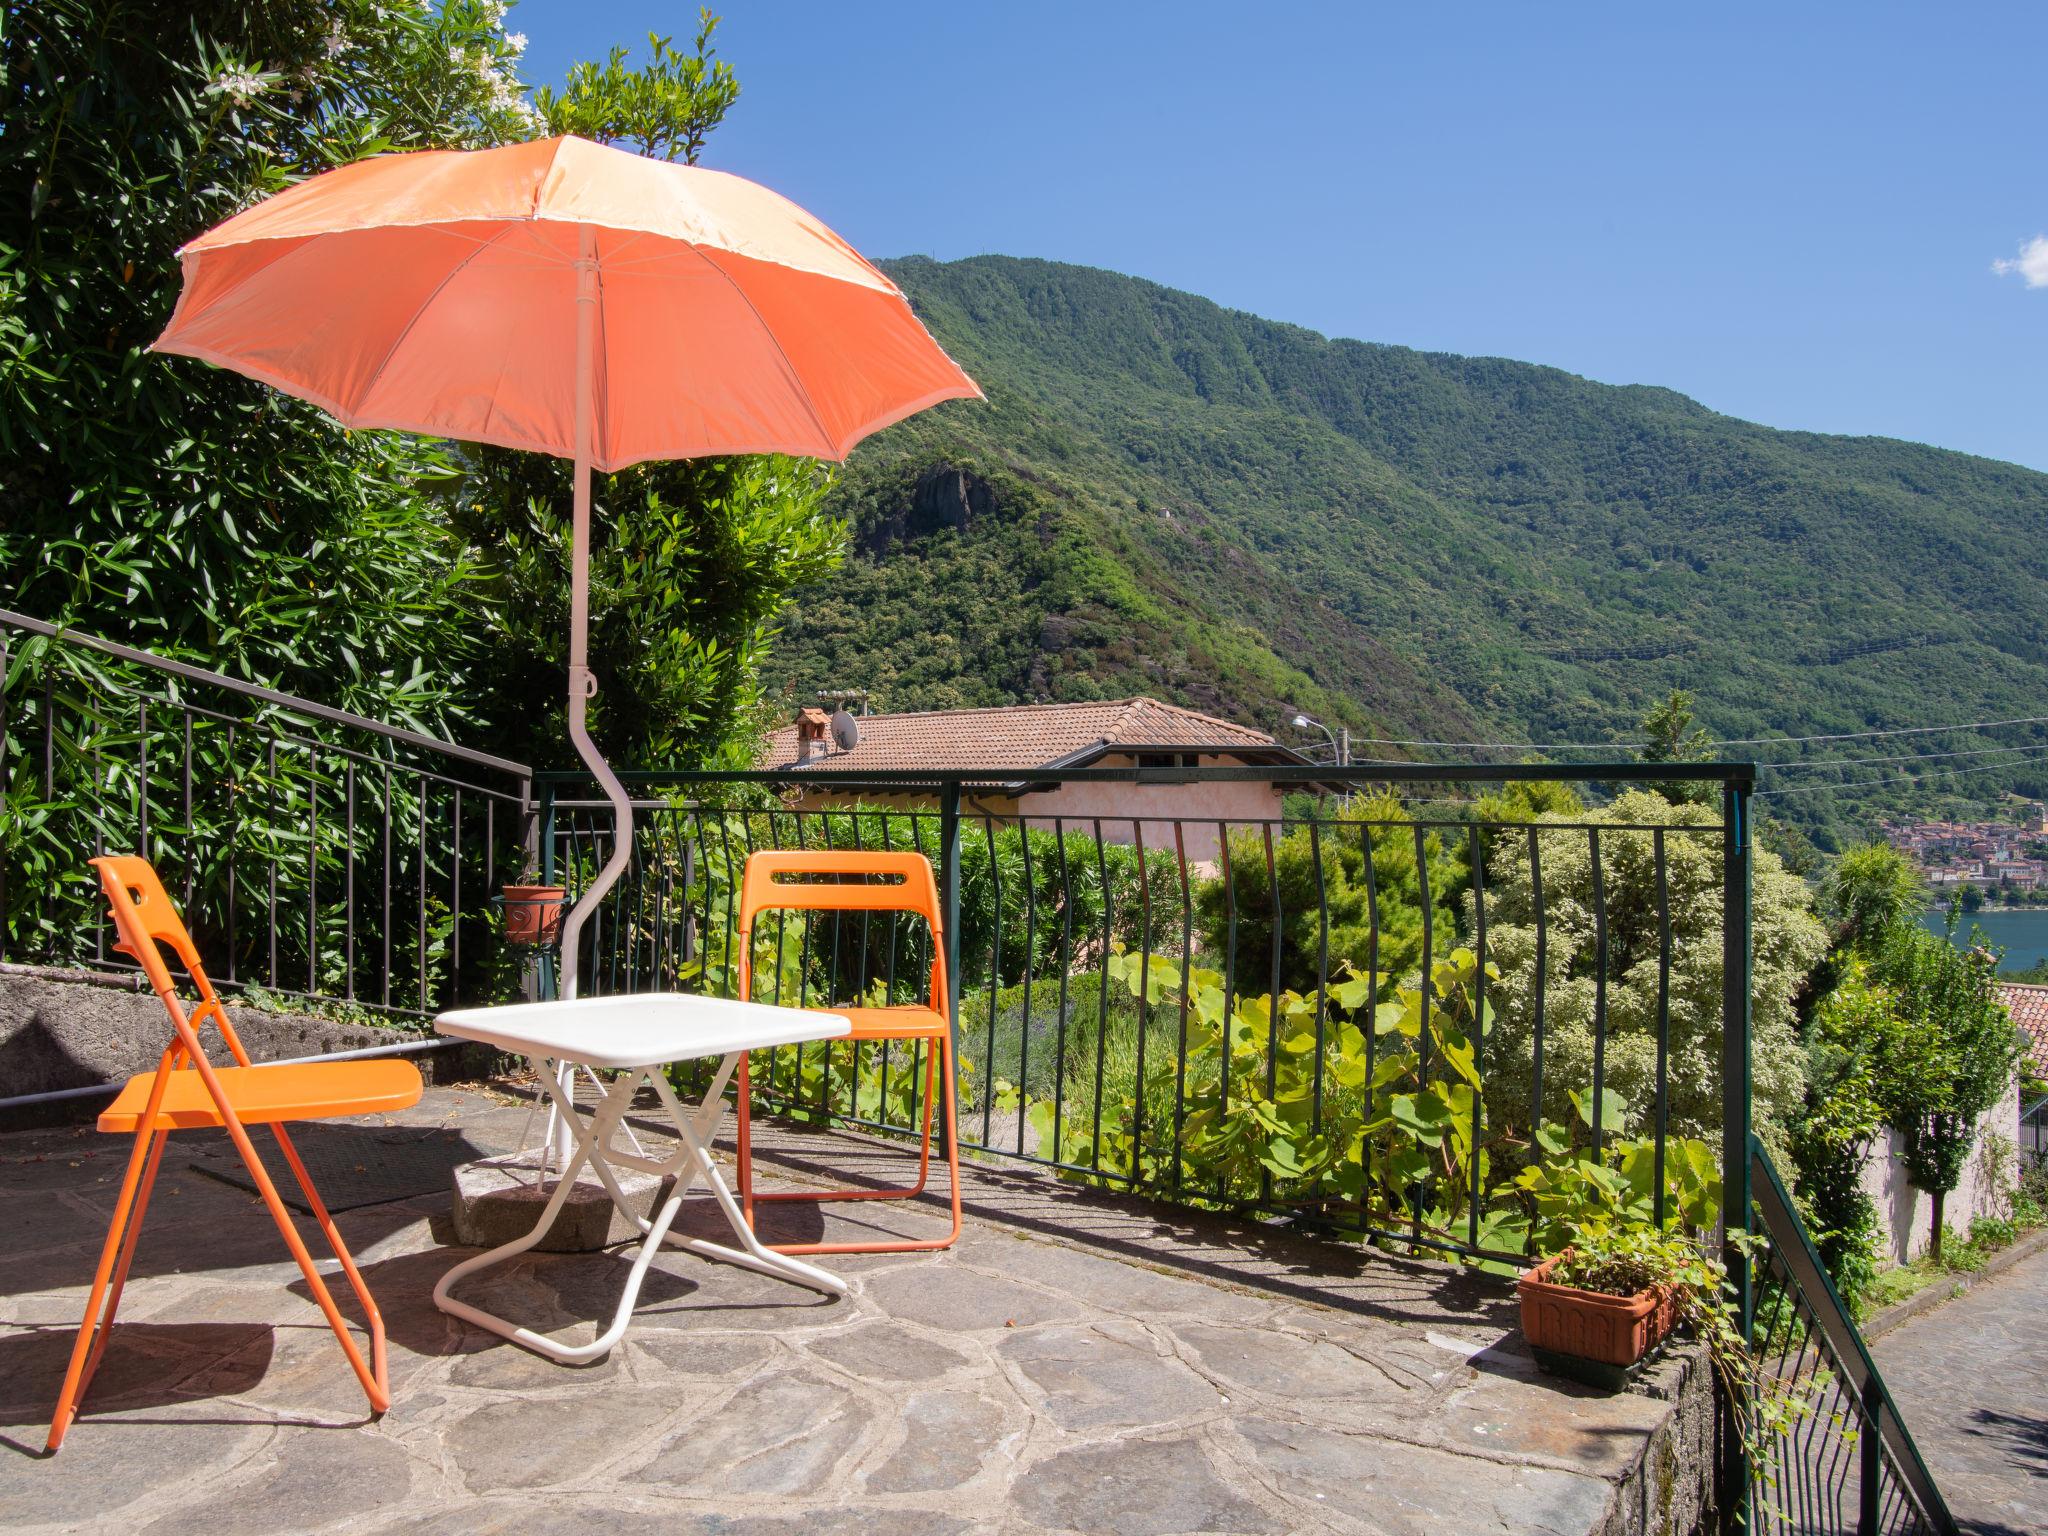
1308 910
664 108
1949 1053
198 513
1786 940
185 508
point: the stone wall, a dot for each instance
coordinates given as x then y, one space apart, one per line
72 1029
1904 1213
1673 1489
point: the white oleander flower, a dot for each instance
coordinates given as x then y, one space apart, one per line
244 86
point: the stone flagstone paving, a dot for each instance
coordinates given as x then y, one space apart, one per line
1076 1363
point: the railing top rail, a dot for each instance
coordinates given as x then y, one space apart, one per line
246 690
1307 774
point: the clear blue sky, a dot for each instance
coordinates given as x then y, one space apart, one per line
1791 213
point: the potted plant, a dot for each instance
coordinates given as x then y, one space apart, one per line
533 913
1595 1310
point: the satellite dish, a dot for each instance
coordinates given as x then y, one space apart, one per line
845 729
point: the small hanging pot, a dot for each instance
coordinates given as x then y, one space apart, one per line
533 913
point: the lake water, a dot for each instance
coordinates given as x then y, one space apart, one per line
2022 934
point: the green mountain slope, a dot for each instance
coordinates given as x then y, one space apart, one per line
1162 495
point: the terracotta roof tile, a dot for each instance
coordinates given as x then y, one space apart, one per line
1018 736
2028 1006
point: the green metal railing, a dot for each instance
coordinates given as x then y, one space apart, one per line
1849 1463
1037 899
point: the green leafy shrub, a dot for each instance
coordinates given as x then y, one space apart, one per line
1368 1115
1787 939
1285 899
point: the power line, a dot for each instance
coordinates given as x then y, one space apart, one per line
1908 730
1904 757
1896 778
1729 741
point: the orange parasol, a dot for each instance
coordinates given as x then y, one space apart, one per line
569 298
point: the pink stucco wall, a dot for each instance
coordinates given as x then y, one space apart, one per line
1905 1213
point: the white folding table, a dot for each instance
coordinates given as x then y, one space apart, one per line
637 1037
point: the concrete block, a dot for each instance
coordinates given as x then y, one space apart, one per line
496 1202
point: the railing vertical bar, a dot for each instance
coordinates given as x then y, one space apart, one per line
1419 1191
1059 1079
191 858
1536 912
141 777
1187 949
1477 858
1372 1025
270 849
1030 978
1663 1024
312 871
234 790
454 895
1315 855
422 904
1229 978
732 886
1599 1110
949 901
995 974
1137 1170
49 731
384 909
1275 910
348 878
1101 991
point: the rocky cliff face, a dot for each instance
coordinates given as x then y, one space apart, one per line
944 497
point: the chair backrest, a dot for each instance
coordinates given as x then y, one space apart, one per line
144 918
839 880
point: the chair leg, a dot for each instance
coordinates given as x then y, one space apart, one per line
924 1145
947 1076
377 1384
374 1384
938 1081
118 1252
743 1136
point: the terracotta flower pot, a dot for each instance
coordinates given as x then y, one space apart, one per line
533 913
1610 1331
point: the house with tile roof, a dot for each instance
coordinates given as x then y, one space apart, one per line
2028 1005
1116 733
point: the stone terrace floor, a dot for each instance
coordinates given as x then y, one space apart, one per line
1076 1363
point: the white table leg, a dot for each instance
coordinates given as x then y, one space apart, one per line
698 1132
593 1146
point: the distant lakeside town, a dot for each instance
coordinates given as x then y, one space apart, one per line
1980 861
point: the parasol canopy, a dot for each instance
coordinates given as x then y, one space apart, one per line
569 298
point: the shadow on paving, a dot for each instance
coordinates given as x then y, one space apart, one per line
146 1366
1257 1255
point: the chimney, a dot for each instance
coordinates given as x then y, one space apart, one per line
811 727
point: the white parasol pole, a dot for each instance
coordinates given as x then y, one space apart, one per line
582 682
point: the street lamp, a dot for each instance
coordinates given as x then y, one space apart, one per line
1306 722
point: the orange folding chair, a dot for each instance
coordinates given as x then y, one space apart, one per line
831 881
187 1092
